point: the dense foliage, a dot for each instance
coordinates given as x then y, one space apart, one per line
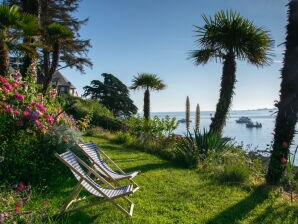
94 111
113 94
32 127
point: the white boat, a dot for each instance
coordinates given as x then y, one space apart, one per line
253 125
243 120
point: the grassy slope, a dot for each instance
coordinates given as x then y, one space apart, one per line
170 194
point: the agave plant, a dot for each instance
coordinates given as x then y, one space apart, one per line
196 147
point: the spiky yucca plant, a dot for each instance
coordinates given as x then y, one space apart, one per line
198 115
187 114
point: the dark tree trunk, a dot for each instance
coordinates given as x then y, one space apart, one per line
31 7
147 104
226 94
49 71
4 60
286 118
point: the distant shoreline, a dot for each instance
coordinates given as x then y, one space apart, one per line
273 109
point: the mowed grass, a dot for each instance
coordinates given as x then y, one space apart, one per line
171 194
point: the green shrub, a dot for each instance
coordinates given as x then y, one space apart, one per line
234 173
123 138
95 131
196 147
81 108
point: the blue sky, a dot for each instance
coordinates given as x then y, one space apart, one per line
154 36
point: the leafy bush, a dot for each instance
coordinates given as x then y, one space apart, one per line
123 138
81 109
153 128
28 120
234 173
290 179
196 147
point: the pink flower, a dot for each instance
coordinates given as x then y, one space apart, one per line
19 97
283 160
49 119
7 86
17 210
20 188
45 203
39 125
16 112
26 114
18 205
4 90
53 93
16 84
3 80
17 76
39 106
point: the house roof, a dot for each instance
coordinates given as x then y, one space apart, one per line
62 81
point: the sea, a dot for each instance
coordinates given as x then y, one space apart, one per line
248 138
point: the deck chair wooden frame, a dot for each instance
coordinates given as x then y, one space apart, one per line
104 169
73 198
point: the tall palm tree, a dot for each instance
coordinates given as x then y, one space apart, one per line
286 118
148 82
228 37
14 26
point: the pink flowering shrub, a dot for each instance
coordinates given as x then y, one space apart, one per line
28 128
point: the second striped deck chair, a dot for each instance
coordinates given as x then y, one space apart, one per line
97 191
94 154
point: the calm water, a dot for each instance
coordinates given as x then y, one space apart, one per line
250 138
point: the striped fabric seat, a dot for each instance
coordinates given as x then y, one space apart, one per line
78 172
91 150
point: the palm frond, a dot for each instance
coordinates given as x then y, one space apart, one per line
147 81
228 32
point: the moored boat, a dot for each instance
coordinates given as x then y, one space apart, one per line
253 125
243 120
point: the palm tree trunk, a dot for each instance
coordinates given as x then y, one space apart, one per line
49 73
4 60
147 104
226 94
286 118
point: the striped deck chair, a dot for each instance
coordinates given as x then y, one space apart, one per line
97 191
94 154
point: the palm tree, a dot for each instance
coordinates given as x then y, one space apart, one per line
286 118
13 26
228 37
148 82
55 35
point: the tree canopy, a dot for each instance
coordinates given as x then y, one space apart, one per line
113 94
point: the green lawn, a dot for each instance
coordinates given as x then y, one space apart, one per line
171 194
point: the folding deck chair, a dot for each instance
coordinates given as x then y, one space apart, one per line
94 154
97 191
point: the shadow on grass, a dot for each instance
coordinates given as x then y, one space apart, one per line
153 166
237 212
75 217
